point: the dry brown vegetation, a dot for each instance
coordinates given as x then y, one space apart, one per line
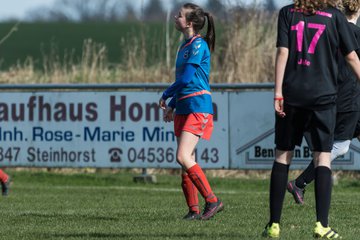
248 52
245 54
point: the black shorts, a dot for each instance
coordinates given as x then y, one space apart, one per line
290 130
357 129
346 125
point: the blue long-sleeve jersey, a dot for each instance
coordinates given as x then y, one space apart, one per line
191 89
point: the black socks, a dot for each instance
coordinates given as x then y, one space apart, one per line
306 177
323 187
278 182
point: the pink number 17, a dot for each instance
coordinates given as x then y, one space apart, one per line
300 35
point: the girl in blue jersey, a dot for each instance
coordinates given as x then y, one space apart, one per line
311 33
190 96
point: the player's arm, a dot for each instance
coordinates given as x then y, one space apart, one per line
189 71
353 60
282 55
172 103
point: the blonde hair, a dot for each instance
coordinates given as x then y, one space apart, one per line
351 7
311 6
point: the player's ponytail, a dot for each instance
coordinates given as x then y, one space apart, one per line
198 16
210 34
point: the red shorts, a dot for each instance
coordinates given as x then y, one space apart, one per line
200 124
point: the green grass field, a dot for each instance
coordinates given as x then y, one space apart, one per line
111 206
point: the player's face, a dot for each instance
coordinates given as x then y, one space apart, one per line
180 20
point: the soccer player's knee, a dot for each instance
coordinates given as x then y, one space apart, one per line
340 153
340 148
343 150
180 158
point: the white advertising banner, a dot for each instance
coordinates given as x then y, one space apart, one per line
252 120
125 130
99 129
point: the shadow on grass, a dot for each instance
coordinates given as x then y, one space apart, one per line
143 235
56 215
353 184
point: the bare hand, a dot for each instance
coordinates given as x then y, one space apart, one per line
168 114
162 104
279 107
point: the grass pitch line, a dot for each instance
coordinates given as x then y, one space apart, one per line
153 189
157 189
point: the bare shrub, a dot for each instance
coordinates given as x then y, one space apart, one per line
249 47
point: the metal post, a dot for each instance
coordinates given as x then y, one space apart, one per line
145 177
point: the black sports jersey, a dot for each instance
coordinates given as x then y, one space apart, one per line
348 97
313 42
